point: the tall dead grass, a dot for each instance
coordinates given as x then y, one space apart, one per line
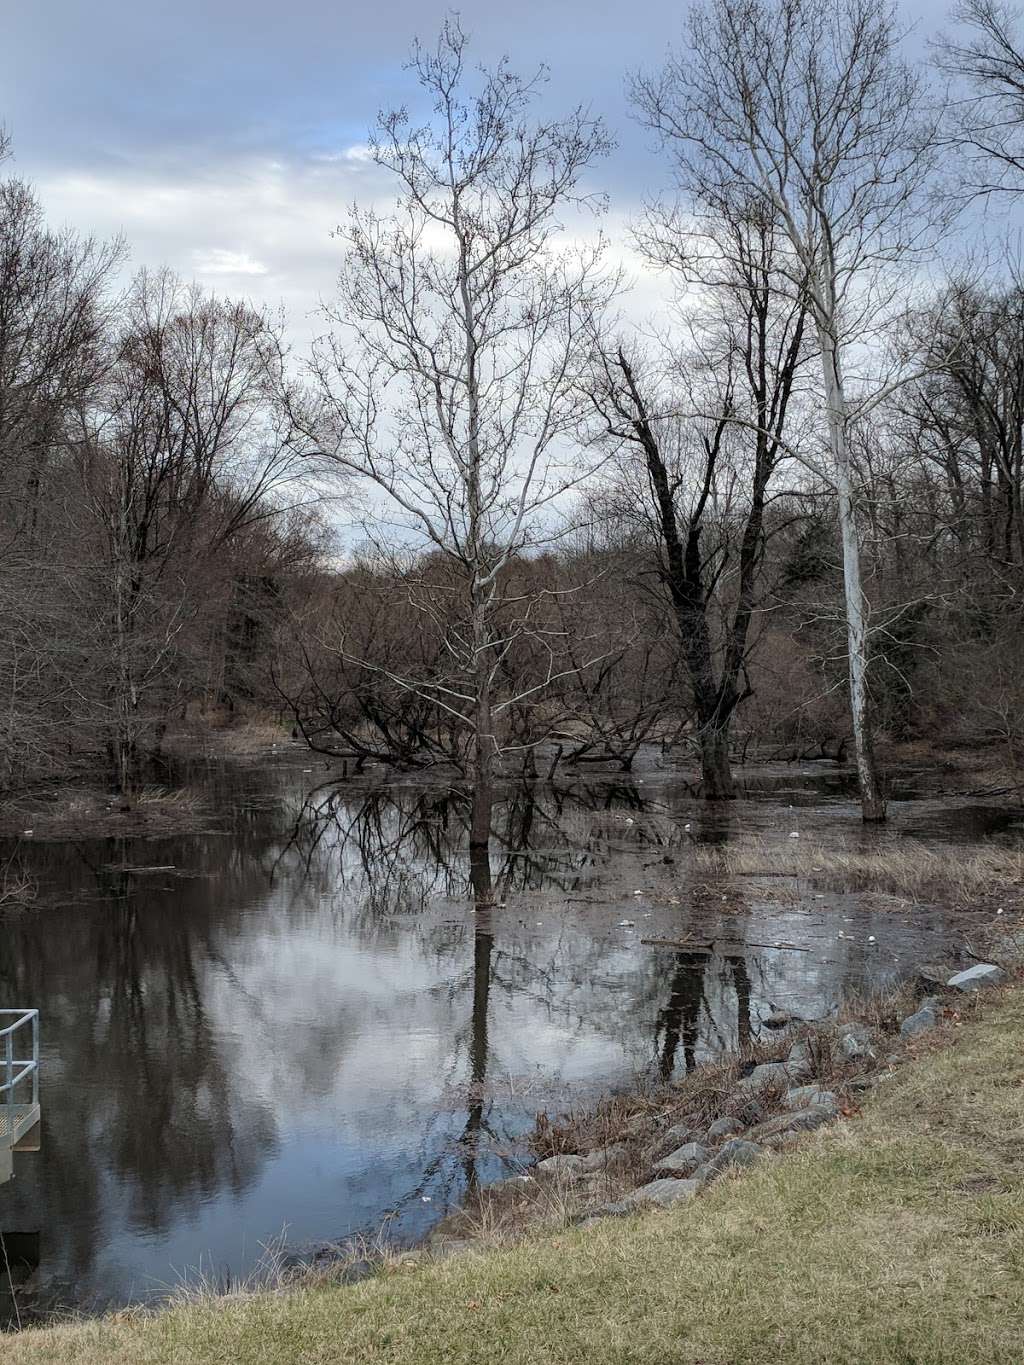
910 869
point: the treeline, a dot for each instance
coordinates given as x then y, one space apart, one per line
148 503
784 517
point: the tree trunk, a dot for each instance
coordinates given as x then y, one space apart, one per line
871 798
483 733
126 696
715 768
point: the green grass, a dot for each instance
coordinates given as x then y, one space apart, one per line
896 1237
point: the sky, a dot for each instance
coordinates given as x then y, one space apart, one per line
226 139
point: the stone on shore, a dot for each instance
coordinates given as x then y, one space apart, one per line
724 1127
684 1160
736 1152
924 1018
604 1157
800 1062
810 1096
799 1121
662 1193
855 1043
563 1164
978 977
766 1075
679 1134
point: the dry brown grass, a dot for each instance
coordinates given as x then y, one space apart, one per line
253 736
911 869
84 811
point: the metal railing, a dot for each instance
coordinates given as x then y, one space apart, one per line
15 1071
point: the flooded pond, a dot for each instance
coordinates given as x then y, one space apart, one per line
297 1026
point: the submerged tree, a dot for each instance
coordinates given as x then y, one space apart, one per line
449 381
806 104
704 478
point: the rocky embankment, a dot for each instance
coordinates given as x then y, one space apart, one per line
663 1149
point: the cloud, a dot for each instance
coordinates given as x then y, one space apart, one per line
220 261
259 227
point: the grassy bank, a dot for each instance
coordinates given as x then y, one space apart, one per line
896 1237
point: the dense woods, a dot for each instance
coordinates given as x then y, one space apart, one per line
784 517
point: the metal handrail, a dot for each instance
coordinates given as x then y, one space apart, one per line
28 1067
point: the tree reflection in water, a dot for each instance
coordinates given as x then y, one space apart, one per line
330 1013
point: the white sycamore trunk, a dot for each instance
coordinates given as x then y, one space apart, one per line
872 801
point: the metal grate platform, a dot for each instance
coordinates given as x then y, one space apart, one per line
19 1085
20 1117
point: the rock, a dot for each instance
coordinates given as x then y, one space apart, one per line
510 1182
617 1208
736 1152
663 1193
924 1018
808 1096
684 1160
765 1075
563 1164
802 1121
679 1134
800 1062
605 1157
978 977
781 1019
931 976
779 1142
725 1128
749 1111
855 1042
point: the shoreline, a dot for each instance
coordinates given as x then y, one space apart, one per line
833 1248
669 1144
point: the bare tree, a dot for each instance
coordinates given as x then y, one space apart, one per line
989 123
806 104
55 305
968 411
449 382
705 479
178 454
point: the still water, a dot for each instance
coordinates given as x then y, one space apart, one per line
294 1026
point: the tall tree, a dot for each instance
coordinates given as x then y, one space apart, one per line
449 381
807 105
706 477
56 302
178 454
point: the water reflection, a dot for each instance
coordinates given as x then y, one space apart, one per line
327 1015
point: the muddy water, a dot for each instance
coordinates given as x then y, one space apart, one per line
294 1026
